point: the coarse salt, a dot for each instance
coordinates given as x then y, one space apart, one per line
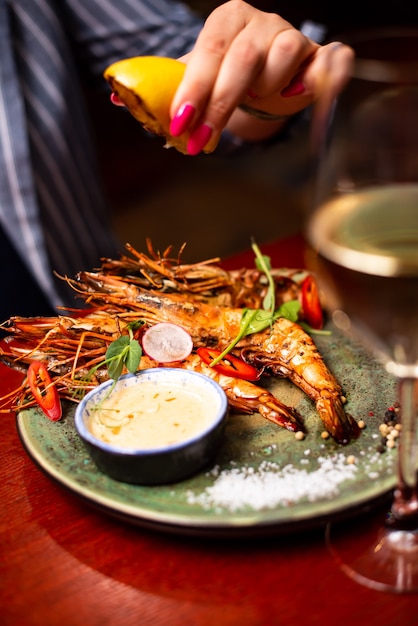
269 485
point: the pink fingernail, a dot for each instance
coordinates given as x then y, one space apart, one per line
294 88
198 139
114 99
181 120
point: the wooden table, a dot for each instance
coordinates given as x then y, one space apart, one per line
62 563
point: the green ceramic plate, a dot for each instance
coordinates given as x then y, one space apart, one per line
263 480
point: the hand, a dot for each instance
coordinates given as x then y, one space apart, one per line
246 56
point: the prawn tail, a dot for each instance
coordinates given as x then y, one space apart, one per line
340 424
250 399
247 397
285 416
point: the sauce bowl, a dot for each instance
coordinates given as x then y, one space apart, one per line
153 427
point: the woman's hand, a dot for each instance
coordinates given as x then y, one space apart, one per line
244 56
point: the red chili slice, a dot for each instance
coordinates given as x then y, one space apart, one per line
230 365
311 305
44 392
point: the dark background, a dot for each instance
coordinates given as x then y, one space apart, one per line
337 16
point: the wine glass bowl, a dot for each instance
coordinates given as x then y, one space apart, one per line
362 235
366 257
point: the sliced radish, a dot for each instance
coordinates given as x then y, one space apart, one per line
166 342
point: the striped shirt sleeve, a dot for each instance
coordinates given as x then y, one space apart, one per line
104 31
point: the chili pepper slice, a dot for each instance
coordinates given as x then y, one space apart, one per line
311 305
44 392
230 365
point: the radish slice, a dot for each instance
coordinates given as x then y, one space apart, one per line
166 342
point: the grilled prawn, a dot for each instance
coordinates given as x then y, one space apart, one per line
284 349
72 346
206 281
205 300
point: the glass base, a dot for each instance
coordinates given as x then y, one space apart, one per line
374 555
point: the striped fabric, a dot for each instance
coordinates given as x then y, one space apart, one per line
51 206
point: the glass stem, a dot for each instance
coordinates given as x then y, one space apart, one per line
405 502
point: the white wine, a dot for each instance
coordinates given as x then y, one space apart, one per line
365 253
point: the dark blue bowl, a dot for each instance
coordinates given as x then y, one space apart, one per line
168 463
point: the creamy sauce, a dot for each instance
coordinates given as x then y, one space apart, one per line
152 416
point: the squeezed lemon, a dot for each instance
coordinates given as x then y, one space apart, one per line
146 85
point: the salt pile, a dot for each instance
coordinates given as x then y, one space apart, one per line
269 485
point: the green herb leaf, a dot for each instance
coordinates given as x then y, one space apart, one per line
257 320
247 317
124 351
117 347
133 356
263 263
116 355
115 367
289 310
314 331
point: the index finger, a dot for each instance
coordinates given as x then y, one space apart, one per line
220 40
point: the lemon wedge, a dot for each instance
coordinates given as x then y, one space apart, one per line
146 85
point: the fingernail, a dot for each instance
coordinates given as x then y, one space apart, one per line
114 99
198 139
294 88
181 120
251 94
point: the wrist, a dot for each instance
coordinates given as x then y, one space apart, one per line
263 115
254 125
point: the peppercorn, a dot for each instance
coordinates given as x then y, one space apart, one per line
390 415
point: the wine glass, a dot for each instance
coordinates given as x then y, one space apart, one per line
362 236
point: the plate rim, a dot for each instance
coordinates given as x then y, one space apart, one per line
238 524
